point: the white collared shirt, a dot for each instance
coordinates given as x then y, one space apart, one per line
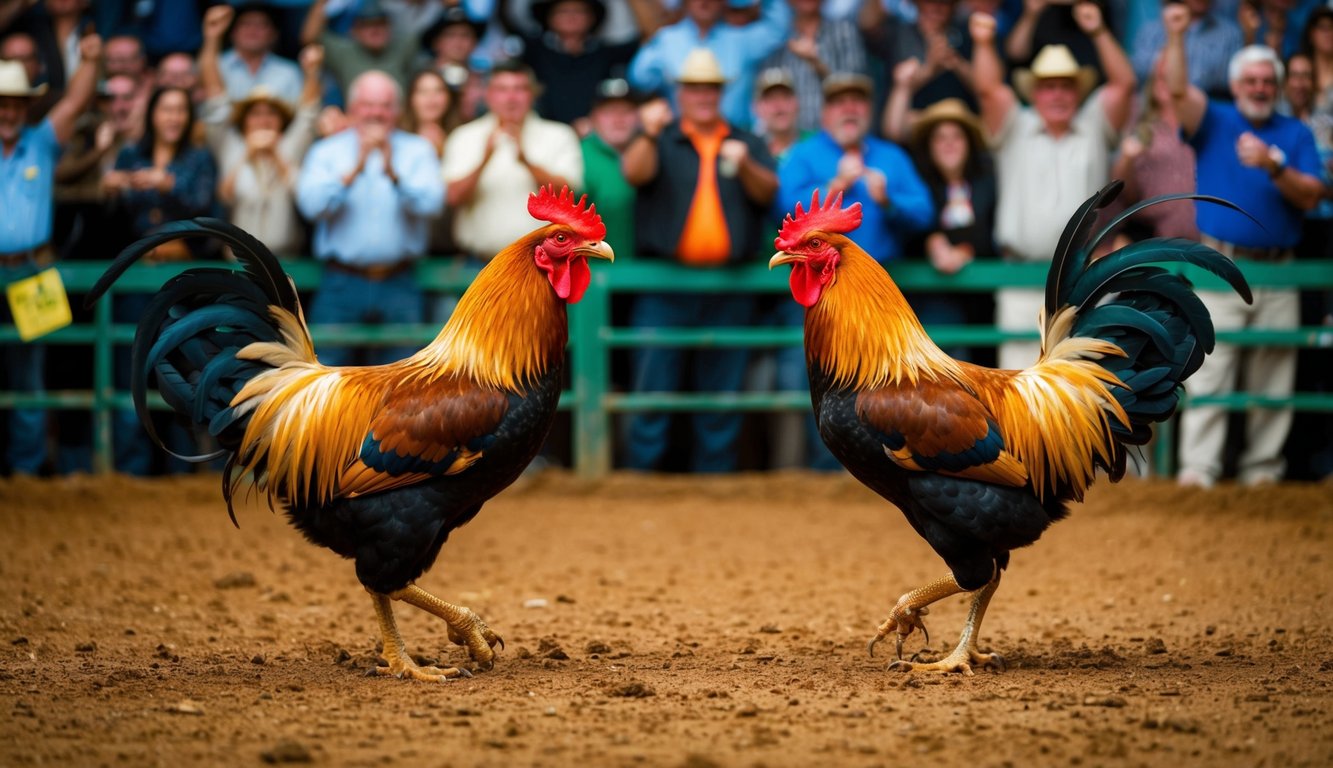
1043 179
498 212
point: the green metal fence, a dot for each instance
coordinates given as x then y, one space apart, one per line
590 400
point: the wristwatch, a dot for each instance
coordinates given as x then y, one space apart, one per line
1278 158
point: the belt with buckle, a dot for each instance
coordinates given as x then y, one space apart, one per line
372 272
39 256
1233 251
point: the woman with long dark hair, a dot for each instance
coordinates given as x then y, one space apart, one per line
160 178
950 154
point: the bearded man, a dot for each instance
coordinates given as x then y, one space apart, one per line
1267 164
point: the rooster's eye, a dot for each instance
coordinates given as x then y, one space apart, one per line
816 243
560 238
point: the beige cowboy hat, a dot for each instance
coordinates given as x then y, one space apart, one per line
841 82
14 81
257 95
701 68
947 110
1051 62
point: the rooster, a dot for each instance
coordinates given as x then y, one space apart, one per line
979 460
378 463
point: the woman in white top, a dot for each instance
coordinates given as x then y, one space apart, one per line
258 143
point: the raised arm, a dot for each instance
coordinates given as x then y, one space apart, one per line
1118 93
316 20
78 91
649 15
1189 101
217 20
896 122
994 98
639 163
1018 46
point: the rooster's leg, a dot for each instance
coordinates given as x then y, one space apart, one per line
465 627
906 614
395 651
965 657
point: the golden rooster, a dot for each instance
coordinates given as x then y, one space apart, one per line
979 460
379 463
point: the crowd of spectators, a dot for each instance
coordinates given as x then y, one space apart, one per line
367 134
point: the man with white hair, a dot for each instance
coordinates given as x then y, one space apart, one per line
371 192
1267 164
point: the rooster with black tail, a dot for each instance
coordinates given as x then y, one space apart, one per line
381 463
980 460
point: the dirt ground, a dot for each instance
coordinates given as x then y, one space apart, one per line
673 621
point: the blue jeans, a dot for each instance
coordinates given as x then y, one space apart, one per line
792 374
24 373
661 369
345 299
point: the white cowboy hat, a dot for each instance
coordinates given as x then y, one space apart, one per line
701 68
14 81
1051 62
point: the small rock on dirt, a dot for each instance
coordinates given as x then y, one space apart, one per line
287 752
235 580
186 707
1155 645
633 690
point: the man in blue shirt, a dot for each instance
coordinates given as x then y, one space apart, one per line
1267 164
251 61
371 192
657 66
28 156
895 202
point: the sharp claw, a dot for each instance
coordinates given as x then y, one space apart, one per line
464 673
870 646
900 646
998 661
373 671
500 641
901 666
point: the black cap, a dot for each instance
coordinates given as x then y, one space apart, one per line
614 89
452 15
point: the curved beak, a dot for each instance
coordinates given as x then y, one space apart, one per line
782 257
598 250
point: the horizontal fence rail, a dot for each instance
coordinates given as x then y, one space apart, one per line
590 400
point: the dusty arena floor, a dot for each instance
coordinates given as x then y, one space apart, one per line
671 621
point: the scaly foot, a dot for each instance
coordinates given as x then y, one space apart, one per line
405 669
903 619
964 660
473 634
965 657
906 614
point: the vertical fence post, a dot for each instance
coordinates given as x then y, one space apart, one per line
591 370
103 385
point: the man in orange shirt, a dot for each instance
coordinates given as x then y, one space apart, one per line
704 189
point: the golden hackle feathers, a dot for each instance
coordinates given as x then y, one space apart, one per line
863 333
309 421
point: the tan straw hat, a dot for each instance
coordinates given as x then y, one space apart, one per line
947 110
701 68
14 81
258 94
1054 61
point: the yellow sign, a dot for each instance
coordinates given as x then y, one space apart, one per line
39 304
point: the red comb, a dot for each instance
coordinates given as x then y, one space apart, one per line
561 209
831 217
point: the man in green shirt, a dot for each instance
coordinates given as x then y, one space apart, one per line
614 121
370 44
